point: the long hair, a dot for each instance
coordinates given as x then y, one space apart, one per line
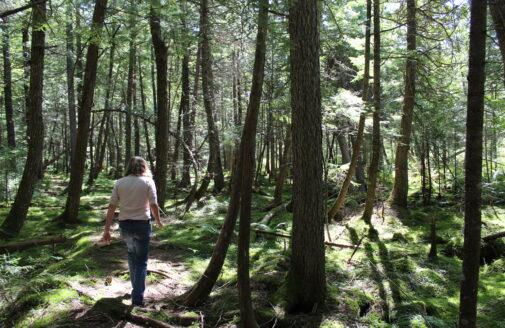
137 166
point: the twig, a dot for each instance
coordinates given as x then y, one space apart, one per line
148 271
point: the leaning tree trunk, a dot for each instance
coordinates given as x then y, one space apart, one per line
306 277
9 111
241 185
473 165
376 142
401 182
361 125
35 128
162 121
208 99
246 161
83 128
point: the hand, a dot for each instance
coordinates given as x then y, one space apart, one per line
106 237
158 224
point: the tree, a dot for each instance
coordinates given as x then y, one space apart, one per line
473 165
215 165
162 115
9 111
240 194
246 163
83 129
35 128
497 9
361 125
401 181
376 142
306 277
70 79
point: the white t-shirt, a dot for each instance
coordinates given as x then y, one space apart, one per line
134 194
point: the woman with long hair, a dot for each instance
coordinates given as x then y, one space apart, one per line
135 193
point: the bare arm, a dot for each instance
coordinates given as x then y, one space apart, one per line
156 213
108 223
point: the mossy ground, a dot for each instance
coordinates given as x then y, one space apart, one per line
389 282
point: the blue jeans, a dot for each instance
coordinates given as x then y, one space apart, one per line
136 235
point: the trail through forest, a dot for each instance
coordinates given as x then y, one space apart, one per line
166 276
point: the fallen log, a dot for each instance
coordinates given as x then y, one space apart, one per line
277 211
22 245
289 236
494 236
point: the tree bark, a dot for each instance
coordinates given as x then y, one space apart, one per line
83 129
162 120
246 161
9 111
361 125
208 99
401 181
306 278
183 111
27 244
187 133
344 148
241 186
146 130
283 170
129 100
473 165
35 128
376 140
497 9
70 80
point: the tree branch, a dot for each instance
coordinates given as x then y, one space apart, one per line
17 10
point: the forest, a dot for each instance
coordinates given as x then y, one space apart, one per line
332 163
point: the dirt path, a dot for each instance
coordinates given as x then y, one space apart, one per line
165 258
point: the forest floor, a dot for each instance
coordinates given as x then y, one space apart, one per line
389 282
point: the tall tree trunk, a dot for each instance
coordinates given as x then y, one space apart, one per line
26 63
187 133
355 165
80 50
183 115
241 186
473 165
95 170
70 80
344 148
401 181
283 170
35 129
9 111
83 128
162 121
376 141
129 97
246 163
306 277
208 99
146 130
497 9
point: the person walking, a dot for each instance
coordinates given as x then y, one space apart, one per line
135 193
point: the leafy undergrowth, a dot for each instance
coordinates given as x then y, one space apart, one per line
388 282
